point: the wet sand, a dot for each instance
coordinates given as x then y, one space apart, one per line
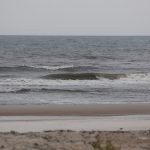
75 110
112 123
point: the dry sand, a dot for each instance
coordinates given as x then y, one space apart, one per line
71 140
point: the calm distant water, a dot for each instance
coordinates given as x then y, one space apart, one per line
66 70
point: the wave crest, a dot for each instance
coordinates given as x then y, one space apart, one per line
84 76
67 68
43 90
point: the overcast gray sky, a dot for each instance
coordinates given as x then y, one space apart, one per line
75 17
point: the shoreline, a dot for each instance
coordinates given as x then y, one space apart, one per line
76 124
75 109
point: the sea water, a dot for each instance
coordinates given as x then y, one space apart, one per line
74 69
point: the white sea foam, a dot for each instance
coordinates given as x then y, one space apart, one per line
131 78
135 78
53 67
139 77
40 82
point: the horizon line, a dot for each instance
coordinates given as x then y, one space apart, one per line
69 35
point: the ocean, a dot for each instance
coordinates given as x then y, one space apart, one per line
74 69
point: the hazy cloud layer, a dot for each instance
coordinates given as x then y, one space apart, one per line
75 17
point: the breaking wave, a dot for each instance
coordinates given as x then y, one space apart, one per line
77 79
43 90
66 68
82 82
33 68
85 76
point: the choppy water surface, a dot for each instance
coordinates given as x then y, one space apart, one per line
51 69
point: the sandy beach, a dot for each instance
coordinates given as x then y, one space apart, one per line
75 127
71 140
